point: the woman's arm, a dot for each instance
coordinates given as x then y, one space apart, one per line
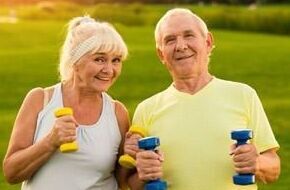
23 158
122 174
135 183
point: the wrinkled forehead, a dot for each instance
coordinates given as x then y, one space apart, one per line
178 23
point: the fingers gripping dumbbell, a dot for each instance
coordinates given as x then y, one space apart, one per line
151 143
66 147
126 160
242 136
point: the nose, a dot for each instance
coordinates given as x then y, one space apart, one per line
108 68
181 44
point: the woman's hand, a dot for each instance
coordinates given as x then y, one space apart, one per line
131 144
63 131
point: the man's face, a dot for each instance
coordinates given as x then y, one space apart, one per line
183 48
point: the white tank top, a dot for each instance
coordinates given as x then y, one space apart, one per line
92 166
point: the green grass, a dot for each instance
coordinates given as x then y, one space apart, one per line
262 18
29 57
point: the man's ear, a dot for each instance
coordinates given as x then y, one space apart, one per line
160 55
209 42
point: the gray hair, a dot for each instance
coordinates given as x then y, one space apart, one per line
84 35
176 11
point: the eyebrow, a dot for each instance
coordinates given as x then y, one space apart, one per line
103 53
183 32
168 36
100 53
188 32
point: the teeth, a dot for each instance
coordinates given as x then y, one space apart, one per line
185 57
102 78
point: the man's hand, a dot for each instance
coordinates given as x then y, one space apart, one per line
245 158
149 165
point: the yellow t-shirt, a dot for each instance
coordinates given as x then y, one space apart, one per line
194 132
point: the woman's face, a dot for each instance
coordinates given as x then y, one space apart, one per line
97 72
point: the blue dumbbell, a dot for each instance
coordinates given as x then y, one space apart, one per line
150 143
242 136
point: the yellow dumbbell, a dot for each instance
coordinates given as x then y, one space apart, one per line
66 147
126 160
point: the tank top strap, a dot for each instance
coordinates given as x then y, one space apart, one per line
109 103
54 102
110 115
56 97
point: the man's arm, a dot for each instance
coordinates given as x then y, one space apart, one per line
268 166
148 166
265 166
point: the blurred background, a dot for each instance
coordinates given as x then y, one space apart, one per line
251 38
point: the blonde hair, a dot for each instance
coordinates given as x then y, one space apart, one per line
84 35
178 11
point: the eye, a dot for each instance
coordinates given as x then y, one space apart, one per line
169 40
100 60
116 60
189 35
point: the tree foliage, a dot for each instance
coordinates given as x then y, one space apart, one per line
89 2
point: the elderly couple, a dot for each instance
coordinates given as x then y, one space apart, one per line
193 118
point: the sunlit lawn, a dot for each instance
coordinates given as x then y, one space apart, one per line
29 57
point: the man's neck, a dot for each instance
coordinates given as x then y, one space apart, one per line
194 84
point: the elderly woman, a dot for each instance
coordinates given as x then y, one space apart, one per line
91 61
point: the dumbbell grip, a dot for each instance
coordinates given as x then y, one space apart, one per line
241 142
150 143
242 136
66 147
126 160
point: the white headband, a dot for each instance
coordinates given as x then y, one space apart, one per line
82 49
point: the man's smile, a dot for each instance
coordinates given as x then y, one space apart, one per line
178 58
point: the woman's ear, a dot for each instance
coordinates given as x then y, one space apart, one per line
75 67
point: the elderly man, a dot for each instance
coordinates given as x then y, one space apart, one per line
194 117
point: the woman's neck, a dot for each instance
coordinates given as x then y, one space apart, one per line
79 96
